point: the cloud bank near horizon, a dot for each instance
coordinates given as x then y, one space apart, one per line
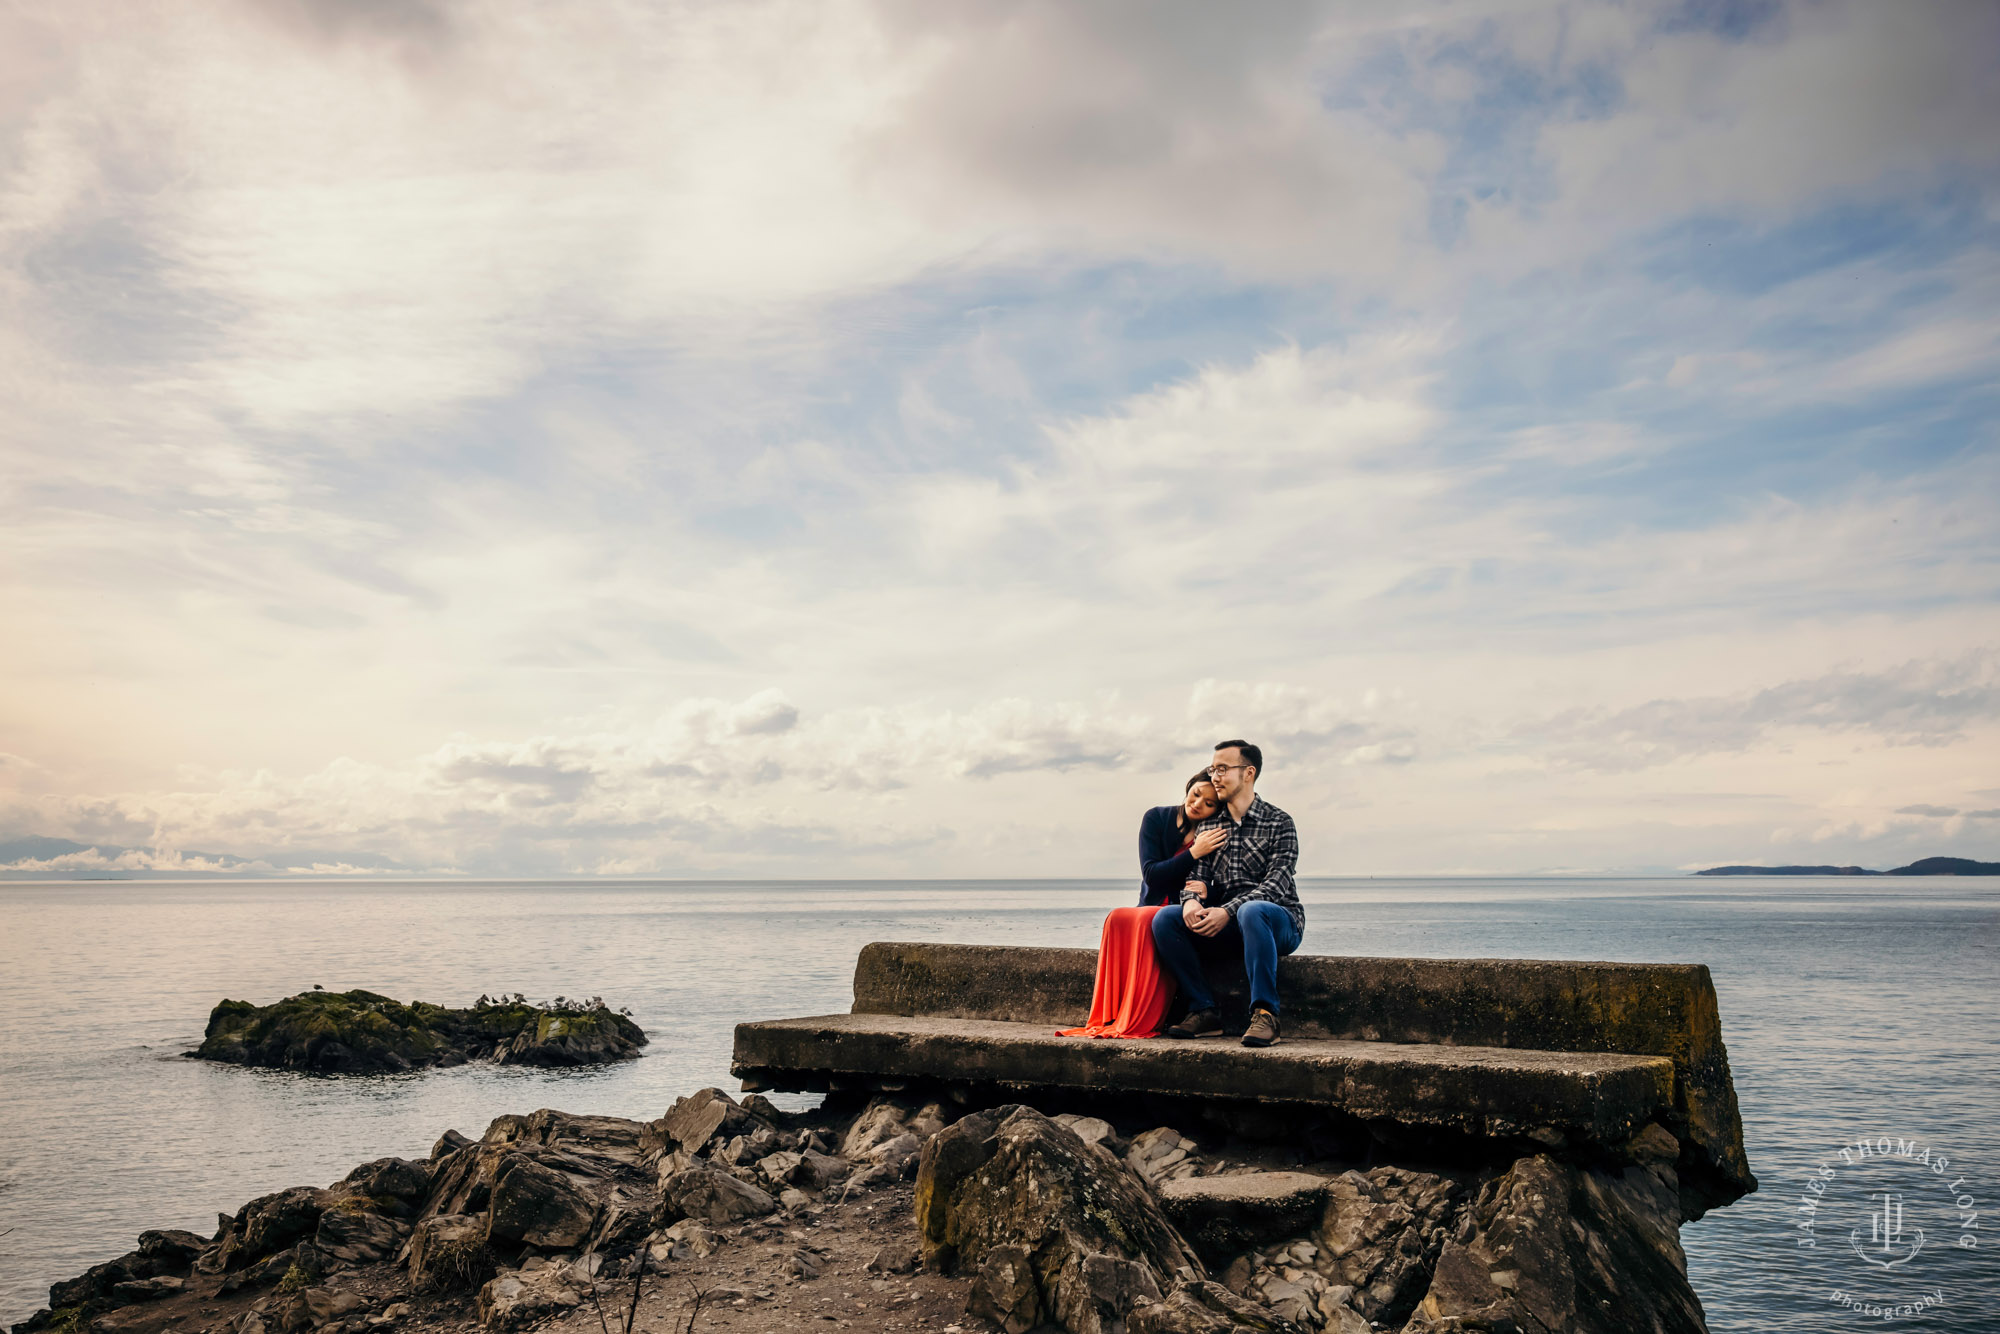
875 439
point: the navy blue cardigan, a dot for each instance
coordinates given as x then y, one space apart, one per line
1163 867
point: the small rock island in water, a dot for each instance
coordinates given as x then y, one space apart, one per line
359 1032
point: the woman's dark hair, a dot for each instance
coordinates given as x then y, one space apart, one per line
1201 777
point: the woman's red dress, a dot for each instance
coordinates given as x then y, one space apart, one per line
1132 991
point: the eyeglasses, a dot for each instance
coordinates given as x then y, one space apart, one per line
1225 768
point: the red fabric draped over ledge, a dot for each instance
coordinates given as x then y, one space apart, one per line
1132 991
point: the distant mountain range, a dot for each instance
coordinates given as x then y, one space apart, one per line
1928 866
36 856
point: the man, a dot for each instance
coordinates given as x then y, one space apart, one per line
1239 897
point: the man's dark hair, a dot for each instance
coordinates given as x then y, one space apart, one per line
1252 755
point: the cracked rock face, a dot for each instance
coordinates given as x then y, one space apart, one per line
388 1179
1289 1277
148 1289
539 1206
1057 1230
1162 1154
270 1223
354 1237
713 1197
1225 1215
1008 1291
884 1120
1195 1307
436 1248
161 1254
1381 1235
745 1150
515 1301
1549 1246
689 1239
700 1117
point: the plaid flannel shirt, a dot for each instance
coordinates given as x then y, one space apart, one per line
1258 862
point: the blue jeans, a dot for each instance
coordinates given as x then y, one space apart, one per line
1263 931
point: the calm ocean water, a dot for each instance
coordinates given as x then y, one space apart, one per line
1851 1009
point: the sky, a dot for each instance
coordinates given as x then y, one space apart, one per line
899 440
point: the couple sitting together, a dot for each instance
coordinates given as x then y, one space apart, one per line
1216 881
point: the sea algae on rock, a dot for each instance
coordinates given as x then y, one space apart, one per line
559 1037
359 1032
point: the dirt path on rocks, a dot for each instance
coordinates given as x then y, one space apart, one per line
755 1281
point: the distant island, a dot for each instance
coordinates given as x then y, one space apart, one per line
1928 866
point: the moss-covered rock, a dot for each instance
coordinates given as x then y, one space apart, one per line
572 1037
359 1032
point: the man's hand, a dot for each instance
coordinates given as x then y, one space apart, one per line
1205 921
1207 841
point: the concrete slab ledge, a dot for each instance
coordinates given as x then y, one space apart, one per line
1551 1005
1592 1100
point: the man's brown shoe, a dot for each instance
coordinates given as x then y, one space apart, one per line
1200 1024
1263 1030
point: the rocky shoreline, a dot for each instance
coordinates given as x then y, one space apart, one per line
914 1215
359 1032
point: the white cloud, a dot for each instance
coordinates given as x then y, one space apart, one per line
1584 442
1173 129
709 785
1301 725
692 793
1829 99
1923 703
617 406
522 190
1297 468
1944 350
130 860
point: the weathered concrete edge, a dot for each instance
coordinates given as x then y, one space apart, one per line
1595 1109
1553 1005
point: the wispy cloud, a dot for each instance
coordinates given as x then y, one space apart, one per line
1918 704
875 439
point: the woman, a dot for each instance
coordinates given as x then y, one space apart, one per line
1168 848
1132 992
